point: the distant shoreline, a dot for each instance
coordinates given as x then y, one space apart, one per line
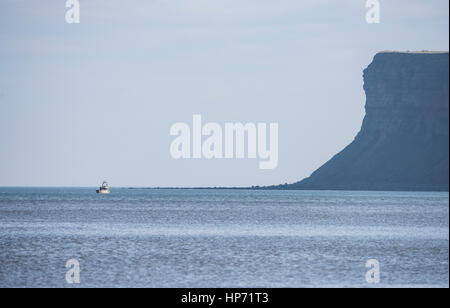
290 189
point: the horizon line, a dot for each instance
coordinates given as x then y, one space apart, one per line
265 188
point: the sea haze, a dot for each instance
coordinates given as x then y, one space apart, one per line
222 238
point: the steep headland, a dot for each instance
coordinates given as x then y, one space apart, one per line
403 143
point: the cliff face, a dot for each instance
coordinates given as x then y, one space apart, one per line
404 139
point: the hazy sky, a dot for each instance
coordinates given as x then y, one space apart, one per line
84 102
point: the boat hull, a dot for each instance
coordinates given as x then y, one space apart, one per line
103 192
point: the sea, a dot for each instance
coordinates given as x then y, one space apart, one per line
222 238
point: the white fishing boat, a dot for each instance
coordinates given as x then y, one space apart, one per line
104 189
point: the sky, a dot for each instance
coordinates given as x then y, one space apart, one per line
84 102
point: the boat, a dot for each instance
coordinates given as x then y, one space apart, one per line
104 189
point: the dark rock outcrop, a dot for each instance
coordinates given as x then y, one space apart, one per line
403 143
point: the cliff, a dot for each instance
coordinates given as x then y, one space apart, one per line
403 143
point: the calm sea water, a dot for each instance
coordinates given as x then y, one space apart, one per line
222 238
